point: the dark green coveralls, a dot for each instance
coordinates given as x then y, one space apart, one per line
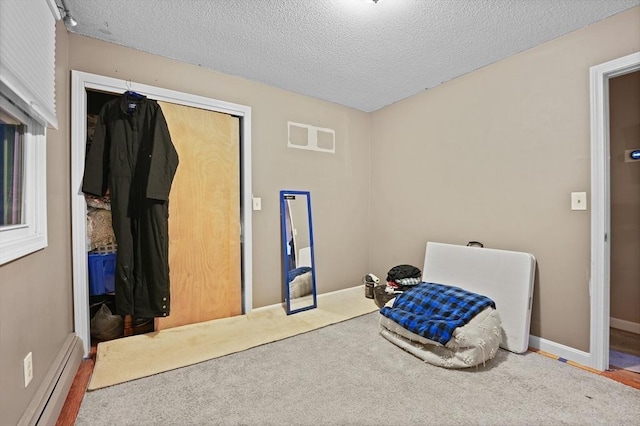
132 154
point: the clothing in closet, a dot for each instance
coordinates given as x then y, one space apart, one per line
132 154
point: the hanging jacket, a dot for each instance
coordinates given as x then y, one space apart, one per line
132 154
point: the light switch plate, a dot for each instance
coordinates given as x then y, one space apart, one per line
27 369
578 201
257 203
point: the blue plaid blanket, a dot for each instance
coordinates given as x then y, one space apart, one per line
435 310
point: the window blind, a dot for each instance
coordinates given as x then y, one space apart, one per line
27 56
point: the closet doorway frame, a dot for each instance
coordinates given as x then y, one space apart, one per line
80 83
600 286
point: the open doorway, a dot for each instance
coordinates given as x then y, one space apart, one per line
624 140
600 285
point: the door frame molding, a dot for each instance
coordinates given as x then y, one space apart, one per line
600 204
80 82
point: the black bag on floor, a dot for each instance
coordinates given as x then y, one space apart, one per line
105 325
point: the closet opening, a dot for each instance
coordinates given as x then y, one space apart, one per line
102 248
106 323
200 116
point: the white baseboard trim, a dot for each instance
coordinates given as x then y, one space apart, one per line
46 405
632 327
562 351
283 304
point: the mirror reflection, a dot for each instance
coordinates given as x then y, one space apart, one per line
297 251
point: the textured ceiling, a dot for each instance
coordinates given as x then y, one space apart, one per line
356 53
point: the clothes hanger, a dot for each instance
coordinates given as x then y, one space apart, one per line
131 98
131 94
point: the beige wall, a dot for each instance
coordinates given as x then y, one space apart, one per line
339 183
624 110
36 301
493 156
490 156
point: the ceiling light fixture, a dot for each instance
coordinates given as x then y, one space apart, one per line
69 21
67 18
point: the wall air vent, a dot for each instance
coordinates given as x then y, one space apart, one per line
312 138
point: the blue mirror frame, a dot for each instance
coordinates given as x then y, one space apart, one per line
298 258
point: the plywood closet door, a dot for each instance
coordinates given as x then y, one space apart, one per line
204 217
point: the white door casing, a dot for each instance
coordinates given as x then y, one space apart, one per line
599 286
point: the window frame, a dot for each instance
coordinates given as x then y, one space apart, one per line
30 236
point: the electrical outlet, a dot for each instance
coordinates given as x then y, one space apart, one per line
28 369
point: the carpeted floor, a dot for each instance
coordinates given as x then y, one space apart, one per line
347 374
130 358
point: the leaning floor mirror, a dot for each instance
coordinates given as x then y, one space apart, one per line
297 251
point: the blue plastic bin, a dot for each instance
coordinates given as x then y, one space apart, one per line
102 273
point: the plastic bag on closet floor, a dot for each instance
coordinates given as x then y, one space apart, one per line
105 325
